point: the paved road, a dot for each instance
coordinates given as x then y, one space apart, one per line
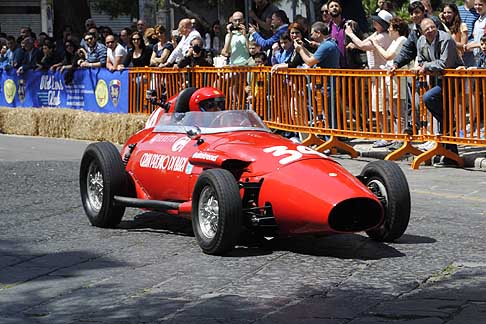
56 268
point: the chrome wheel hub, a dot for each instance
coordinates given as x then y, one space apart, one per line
379 190
95 186
208 212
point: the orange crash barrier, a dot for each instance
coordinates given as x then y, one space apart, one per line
328 106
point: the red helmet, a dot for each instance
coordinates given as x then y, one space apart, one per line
207 99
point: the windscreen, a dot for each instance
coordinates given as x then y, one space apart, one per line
211 122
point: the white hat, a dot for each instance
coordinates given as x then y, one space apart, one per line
412 1
383 18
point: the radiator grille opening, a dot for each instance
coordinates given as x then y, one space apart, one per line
355 215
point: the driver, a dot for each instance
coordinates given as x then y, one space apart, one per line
207 99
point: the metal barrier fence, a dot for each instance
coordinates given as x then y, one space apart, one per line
331 106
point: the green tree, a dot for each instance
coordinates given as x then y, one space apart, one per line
117 7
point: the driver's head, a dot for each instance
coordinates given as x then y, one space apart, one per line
207 99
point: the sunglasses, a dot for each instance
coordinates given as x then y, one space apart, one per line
109 42
88 39
325 12
136 38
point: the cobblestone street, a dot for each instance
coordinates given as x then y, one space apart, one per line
56 268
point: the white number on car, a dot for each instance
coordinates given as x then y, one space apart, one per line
293 155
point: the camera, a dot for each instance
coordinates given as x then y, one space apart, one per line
197 48
151 95
235 27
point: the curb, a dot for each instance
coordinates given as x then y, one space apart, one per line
473 158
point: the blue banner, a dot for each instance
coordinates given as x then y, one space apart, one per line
97 90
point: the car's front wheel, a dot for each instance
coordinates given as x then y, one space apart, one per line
101 177
387 181
216 211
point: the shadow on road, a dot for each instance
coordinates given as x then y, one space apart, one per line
343 246
158 222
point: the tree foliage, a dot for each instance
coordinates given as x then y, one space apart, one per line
117 8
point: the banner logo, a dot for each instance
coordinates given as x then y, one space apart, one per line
115 91
9 90
101 93
22 90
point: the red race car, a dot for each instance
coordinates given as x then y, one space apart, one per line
228 173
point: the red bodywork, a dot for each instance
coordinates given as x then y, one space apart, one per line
303 190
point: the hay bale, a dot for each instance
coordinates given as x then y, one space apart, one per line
70 123
3 112
55 122
87 126
121 127
135 122
20 121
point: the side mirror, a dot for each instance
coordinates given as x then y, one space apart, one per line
194 132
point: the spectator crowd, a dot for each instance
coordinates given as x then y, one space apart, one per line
430 40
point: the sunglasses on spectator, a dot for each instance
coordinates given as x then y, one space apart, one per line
325 11
88 39
109 42
69 45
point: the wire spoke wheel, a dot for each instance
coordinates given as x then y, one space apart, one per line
216 211
95 186
209 213
102 176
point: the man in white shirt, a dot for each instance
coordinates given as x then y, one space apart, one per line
188 34
115 53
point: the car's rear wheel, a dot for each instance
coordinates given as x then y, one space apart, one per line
101 177
389 184
216 211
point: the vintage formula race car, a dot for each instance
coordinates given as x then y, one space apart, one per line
228 173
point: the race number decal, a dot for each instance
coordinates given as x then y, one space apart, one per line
291 155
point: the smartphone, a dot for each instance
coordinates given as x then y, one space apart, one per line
305 40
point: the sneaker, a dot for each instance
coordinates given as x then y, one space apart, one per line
381 143
395 145
426 146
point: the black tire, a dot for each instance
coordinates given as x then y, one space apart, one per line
102 175
216 193
388 182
